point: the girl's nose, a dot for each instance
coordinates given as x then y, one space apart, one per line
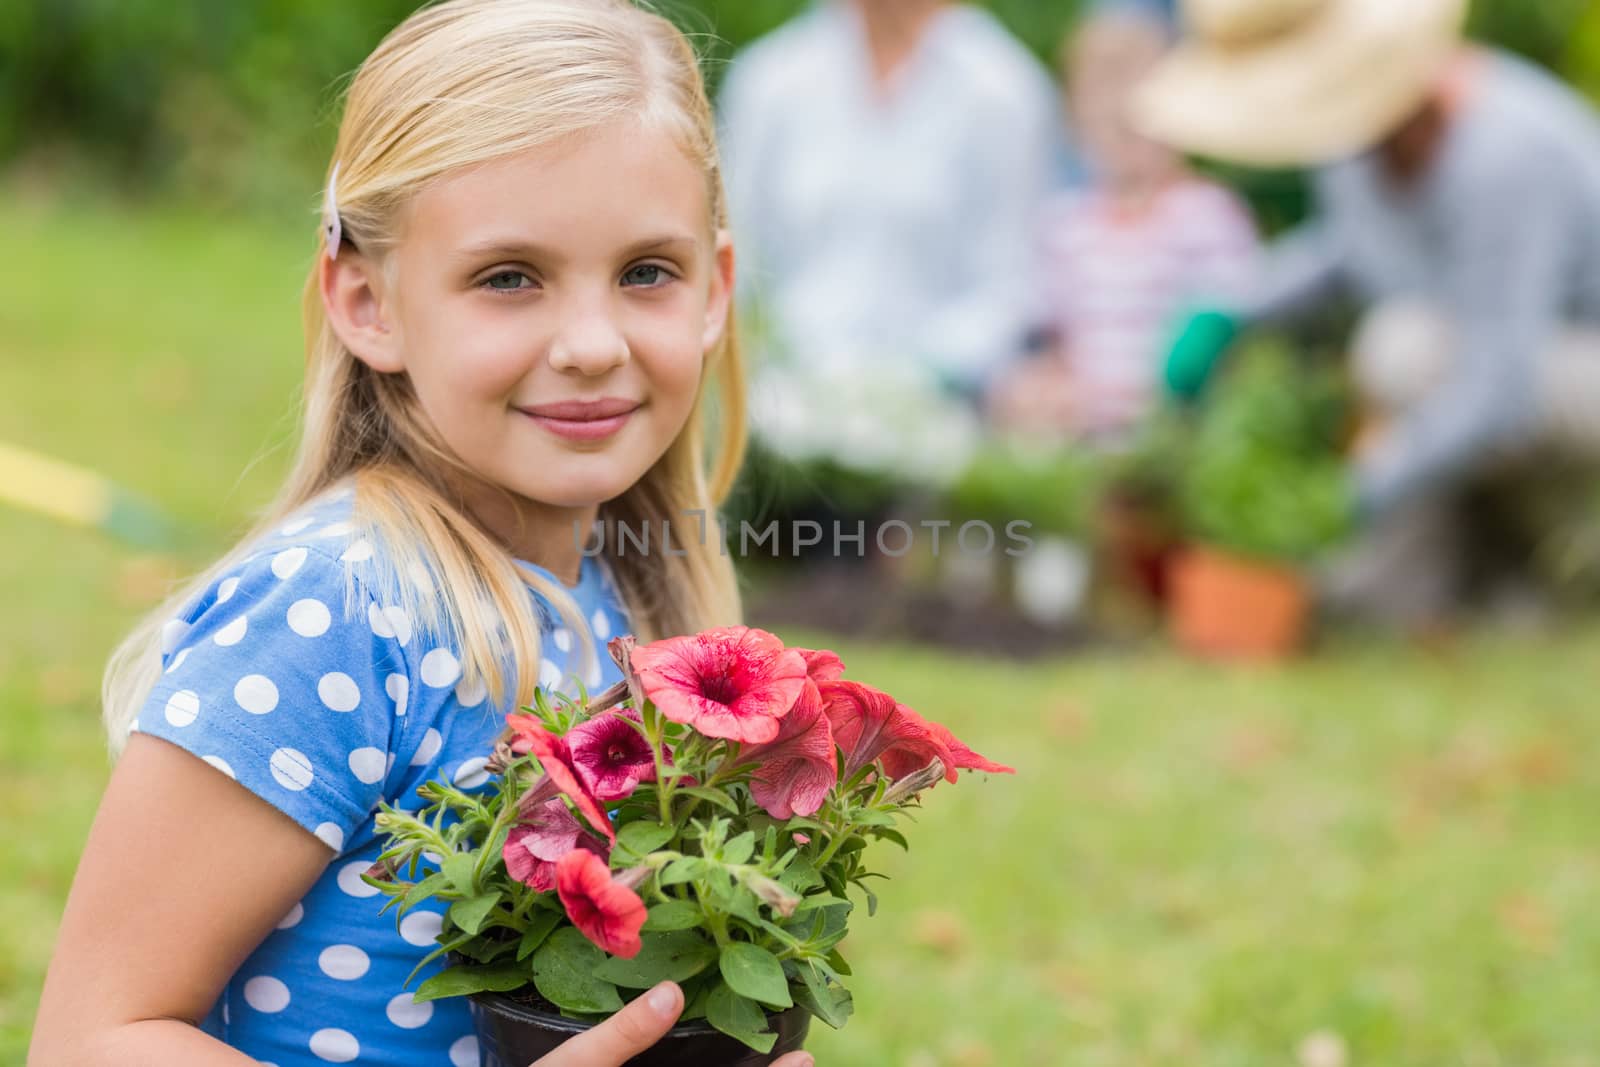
589 342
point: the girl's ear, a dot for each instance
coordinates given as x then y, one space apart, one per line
720 297
354 301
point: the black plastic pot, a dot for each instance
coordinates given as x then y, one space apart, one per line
511 1034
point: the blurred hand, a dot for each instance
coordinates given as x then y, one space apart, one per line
1036 398
1203 338
632 1030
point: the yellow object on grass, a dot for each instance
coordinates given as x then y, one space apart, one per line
79 496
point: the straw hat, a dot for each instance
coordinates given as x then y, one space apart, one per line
1280 83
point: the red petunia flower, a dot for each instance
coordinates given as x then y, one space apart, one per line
611 757
821 664
608 914
556 758
869 724
796 769
964 758
736 682
534 846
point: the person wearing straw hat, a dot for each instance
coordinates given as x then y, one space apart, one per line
1458 199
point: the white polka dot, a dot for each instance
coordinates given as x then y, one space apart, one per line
256 694
226 590
391 621
368 764
433 858
398 688
292 769
472 773
335 1046
183 707
296 913
550 675
563 638
296 526
220 764
421 928
407 1014
232 633
440 669
337 529
285 563
359 552
600 624
344 962
266 994
177 661
173 631
431 743
470 693
350 879
339 692
331 835
309 618
464 1052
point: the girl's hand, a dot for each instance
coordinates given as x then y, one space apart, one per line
634 1029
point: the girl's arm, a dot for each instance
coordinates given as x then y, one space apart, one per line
185 872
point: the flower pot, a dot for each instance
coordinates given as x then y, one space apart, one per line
514 1034
1227 607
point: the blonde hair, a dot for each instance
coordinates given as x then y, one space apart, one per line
458 84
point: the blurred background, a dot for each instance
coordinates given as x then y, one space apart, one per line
1296 662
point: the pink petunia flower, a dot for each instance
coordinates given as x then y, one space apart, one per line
605 912
535 845
556 758
869 724
896 766
736 682
796 769
822 665
611 757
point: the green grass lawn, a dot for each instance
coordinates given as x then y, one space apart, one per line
1192 866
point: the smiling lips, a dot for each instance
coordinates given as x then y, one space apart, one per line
583 420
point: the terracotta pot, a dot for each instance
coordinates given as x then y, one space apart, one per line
1228 607
513 1034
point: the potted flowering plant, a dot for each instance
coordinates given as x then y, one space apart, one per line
702 821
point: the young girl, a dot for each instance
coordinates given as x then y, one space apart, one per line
519 302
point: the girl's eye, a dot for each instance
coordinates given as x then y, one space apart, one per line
505 281
645 275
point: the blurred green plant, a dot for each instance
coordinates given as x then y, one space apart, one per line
1053 488
1263 476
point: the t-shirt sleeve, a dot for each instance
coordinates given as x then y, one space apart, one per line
273 680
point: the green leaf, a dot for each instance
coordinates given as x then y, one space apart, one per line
674 915
818 900
422 890
739 1017
752 971
643 838
685 870
469 914
739 849
670 956
564 974
459 981
458 867
715 796
837 962
539 928
829 1001
800 875
892 835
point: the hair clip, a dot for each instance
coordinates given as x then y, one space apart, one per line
332 230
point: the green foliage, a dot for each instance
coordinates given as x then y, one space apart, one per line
1051 488
1263 476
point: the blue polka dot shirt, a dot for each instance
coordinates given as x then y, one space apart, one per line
324 707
